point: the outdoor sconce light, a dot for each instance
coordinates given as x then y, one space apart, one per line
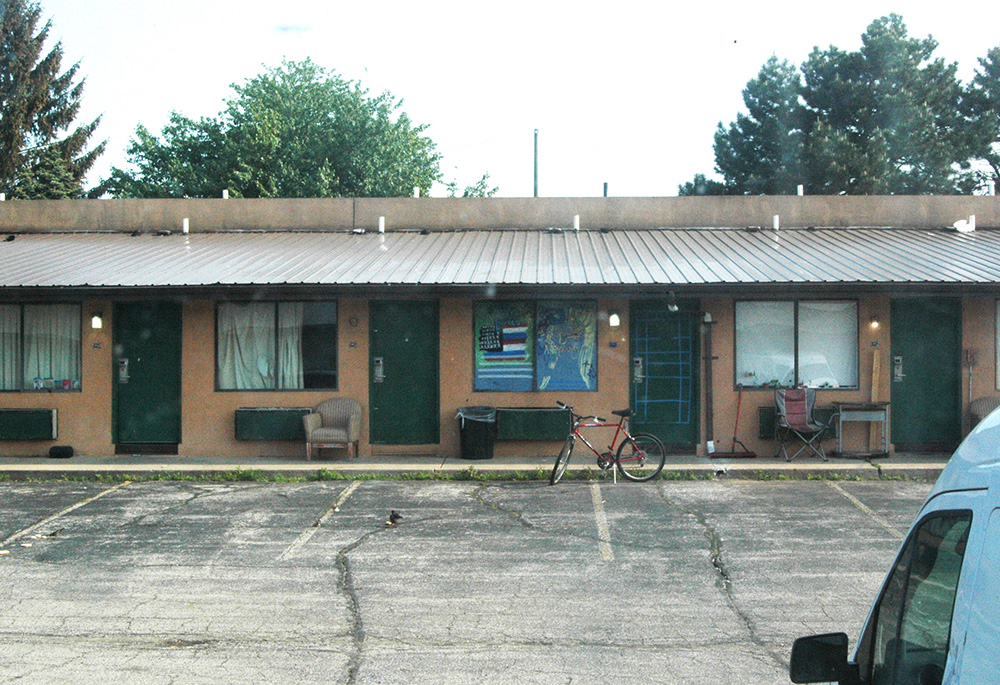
614 320
97 320
874 323
672 302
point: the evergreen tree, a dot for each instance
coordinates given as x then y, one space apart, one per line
40 156
884 119
982 109
761 152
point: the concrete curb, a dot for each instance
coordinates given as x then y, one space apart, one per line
921 467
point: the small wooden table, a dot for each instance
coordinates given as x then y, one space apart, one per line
872 412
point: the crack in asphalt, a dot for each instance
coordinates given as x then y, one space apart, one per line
193 496
724 579
477 496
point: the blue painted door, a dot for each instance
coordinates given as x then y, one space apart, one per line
664 379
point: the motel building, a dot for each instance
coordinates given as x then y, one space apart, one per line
209 327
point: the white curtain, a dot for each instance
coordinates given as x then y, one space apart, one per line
290 345
765 343
10 347
52 345
828 344
246 341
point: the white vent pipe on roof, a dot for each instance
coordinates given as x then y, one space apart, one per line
185 225
576 222
777 222
381 224
801 190
225 193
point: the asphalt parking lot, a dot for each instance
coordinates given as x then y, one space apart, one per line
510 582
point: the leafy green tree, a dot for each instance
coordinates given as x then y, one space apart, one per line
982 109
293 131
41 154
761 152
480 188
883 119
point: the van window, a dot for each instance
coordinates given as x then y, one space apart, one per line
909 640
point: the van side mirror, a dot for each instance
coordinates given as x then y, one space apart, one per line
819 659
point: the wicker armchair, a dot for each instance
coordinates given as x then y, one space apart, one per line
334 423
980 408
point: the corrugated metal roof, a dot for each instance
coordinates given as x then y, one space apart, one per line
674 257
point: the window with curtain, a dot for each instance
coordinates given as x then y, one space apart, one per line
40 347
788 343
276 345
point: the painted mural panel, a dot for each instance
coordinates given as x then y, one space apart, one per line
505 346
567 346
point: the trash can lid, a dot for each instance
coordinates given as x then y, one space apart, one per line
478 413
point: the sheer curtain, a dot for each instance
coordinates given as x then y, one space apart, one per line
52 344
828 344
765 343
10 347
245 334
290 345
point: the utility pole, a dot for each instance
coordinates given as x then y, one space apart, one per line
536 162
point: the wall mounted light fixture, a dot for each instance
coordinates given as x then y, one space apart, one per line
614 320
97 320
874 322
672 302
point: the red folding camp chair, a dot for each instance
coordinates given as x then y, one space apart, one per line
795 423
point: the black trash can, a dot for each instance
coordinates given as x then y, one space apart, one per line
478 431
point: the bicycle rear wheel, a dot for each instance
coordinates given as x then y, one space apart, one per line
562 461
641 457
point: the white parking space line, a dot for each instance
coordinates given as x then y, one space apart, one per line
309 532
871 514
603 531
50 519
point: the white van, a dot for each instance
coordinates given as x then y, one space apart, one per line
937 618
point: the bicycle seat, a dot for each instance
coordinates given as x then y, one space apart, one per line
624 413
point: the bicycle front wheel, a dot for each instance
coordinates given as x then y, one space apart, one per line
562 461
641 457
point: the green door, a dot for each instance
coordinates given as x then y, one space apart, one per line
925 363
404 373
664 378
147 377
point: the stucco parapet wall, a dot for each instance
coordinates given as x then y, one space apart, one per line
444 214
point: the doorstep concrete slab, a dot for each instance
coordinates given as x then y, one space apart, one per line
913 466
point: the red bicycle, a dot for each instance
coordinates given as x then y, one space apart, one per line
638 457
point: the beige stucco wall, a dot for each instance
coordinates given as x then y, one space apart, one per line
457 350
208 415
341 214
856 435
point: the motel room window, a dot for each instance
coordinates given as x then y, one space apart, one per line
40 347
787 343
526 346
276 345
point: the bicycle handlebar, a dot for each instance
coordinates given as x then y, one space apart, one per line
577 417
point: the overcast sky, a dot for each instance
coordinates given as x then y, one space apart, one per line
625 93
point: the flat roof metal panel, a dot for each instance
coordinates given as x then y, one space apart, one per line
894 254
702 256
805 259
736 249
648 268
516 257
852 262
